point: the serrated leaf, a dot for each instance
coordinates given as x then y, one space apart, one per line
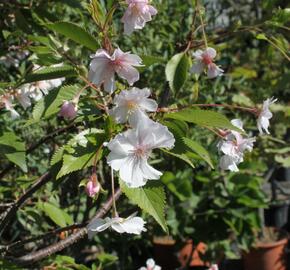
49 73
79 154
150 198
181 156
176 71
13 148
199 150
203 118
51 103
57 215
75 33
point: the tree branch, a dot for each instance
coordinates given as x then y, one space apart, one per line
56 247
10 213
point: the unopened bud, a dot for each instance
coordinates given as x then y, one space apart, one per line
68 110
93 187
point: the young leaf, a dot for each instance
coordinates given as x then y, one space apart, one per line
50 104
75 33
57 215
49 73
198 149
13 148
150 198
203 118
80 152
176 71
181 156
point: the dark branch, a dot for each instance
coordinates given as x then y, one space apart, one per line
10 213
75 237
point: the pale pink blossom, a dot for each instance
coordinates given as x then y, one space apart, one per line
265 115
131 224
131 150
233 147
138 13
7 100
204 60
68 110
132 105
150 265
104 66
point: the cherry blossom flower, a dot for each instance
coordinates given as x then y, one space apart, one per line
264 116
23 96
214 267
7 100
138 13
103 68
68 110
204 60
131 224
150 265
130 151
233 148
132 105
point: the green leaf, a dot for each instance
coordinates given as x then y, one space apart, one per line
57 215
176 71
203 118
182 156
51 103
76 33
150 198
80 152
48 73
149 60
13 148
179 185
244 72
198 149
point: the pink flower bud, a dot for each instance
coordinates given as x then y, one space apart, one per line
68 110
92 188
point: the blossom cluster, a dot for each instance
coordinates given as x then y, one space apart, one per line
28 91
131 149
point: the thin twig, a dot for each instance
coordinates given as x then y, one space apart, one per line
56 247
10 213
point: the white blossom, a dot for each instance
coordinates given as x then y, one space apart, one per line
138 13
204 60
7 100
233 147
103 68
265 115
132 105
150 265
131 224
130 151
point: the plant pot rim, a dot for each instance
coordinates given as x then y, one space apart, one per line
272 244
280 242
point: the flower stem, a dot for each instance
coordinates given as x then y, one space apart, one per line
115 214
202 23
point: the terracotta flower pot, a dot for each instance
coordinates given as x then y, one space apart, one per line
192 253
267 256
164 253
